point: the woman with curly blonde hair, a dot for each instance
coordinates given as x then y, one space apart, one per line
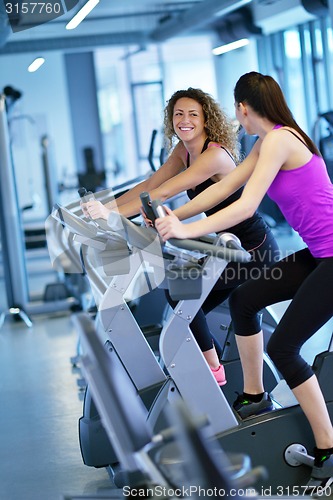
206 152
218 126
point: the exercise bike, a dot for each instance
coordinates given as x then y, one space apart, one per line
178 458
118 325
280 439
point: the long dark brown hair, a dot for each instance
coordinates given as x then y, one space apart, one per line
266 98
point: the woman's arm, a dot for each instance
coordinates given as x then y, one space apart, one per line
173 165
129 203
213 195
273 154
215 161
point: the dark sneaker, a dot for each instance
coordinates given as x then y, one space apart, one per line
246 408
322 476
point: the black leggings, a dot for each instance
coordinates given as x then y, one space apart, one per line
306 280
262 258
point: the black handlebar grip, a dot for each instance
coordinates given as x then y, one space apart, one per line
85 195
82 192
146 205
151 150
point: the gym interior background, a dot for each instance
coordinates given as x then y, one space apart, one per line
95 103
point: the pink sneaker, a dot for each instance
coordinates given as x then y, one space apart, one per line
219 375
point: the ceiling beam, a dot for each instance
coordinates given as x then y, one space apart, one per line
74 42
195 17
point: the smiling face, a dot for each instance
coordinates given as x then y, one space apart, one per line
188 119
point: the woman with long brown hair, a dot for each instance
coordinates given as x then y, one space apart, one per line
286 164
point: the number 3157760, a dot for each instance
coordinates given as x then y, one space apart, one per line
34 8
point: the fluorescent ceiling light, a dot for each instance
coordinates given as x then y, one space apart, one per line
36 64
230 46
79 16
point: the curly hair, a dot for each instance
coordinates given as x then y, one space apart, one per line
218 125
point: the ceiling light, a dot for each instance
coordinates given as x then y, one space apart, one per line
230 46
81 14
36 64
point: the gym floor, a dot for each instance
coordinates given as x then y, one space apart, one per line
41 404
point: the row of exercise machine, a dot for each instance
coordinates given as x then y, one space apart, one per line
141 381
67 291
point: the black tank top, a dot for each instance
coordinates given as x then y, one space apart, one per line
252 231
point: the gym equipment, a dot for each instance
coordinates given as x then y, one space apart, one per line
146 242
20 307
49 172
94 450
189 374
253 436
151 152
125 265
148 460
141 306
119 326
221 326
92 178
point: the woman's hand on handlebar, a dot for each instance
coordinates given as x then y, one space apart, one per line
170 226
84 209
96 210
